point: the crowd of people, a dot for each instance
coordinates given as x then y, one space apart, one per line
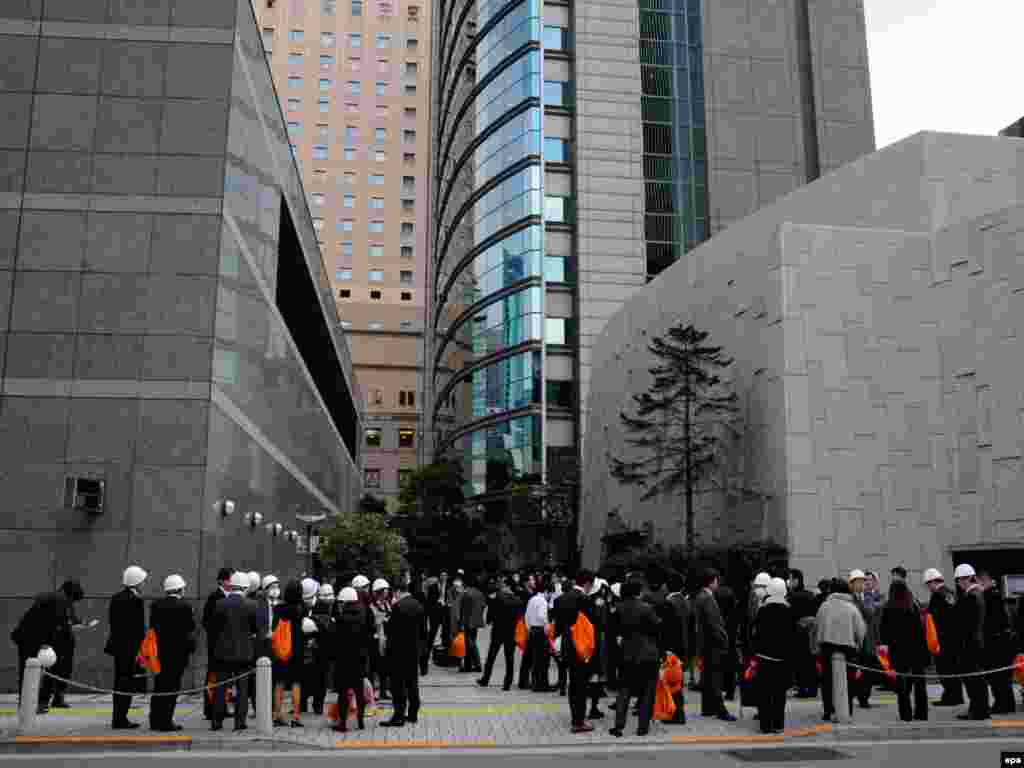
363 638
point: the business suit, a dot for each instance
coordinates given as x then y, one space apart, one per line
41 625
235 625
175 626
566 609
970 621
127 618
405 631
712 645
503 616
471 619
675 623
639 626
211 602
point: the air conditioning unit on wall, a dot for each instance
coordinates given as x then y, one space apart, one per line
85 494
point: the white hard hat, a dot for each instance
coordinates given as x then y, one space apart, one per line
598 585
239 580
617 589
47 656
133 576
932 574
380 584
963 570
173 583
268 580
254 580
762 579
777 588
326 592
360 581
308 626
856 573
309 588
348 595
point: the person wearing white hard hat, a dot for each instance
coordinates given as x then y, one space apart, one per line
380 609
775 638
288 673
323 616
127 622
970 624
351 645
1000 644
311 631
235 626
758 592
218 594
941 607
41 627
862 688
172 620
839 628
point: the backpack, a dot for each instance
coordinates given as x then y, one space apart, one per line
281 641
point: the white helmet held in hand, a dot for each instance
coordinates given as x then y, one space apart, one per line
134 576
380 584
777 588
855 574
617 590
348 595
932 574
254 581
963 571
173 583
360 581
47 656
309 588
239 580
309 626
762 579
326 592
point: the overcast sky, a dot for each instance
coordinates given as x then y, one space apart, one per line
945 65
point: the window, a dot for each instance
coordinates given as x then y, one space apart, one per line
371 476
405 276
320 152
382 89
349 201
408 137
375 251
383 66
376 227
560 393
408 206
346 225
295 59
348 180
557 330
326 63
350 154
410 113
556 38
404 476
408 229
294 82
375 325
558 210
325 104
357 7
355 40
345 293
326 83
406 438
296 35
355 64
376 179
351 134
414 12
380 135
328 40
346 249
294 129
377 203
382 112
406 296
558 93
355 88
352 107
317 198
380 156
406 252
343 275
294 104
408 185
557 269
411 68
383 40
409 158
556 150
405 325
375 295
411 44
410 90
324 132
376 276
268 40
329 7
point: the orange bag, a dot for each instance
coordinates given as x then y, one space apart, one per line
281 641
1018 669
522 635
672 673
883 658
583 638
458 647
931 634
333 713
751 671
148 655
549 632
700 663
664 705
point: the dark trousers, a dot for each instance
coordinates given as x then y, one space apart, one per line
125 670
472 660
1001 683
526 664
773 680
952 688
405 690
711 703
579 677
804 671
539 659
728 674
435 621
314 684
563 672
45 684
359 692
977 690
826 677
379 668
161 708
226 672
505 641
63 668
905 686
641 681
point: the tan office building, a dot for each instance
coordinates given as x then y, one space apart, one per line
353 78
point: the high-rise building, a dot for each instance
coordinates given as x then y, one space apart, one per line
1014 130
578 150
353 79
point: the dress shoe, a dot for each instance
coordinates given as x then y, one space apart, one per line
676 721
393 723
124 726
412 719
582 728
969 716
727 717
297 724
242 727
595 714
506 687
482 683
616 732
59 704
42 710
280 724
216 726
643 732
340 728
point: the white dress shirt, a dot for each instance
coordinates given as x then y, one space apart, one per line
537 611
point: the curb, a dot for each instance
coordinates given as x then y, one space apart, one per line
415 744
185 742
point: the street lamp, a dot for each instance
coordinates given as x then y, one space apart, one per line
310 521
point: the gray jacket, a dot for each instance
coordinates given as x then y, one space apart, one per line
839 622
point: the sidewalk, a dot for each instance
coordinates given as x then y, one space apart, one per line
457 713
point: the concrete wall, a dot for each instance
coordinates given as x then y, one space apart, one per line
874 323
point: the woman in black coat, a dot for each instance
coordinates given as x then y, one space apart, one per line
774 638
903 631
351 646
288 674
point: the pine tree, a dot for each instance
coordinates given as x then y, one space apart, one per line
680 422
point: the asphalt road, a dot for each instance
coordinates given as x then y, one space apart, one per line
944 753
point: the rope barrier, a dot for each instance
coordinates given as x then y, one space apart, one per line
108 691
891 672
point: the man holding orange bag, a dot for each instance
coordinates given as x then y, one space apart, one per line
172 621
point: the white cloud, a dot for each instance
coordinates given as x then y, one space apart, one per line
944 65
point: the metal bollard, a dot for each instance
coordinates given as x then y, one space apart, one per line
264 697
840 690
27 713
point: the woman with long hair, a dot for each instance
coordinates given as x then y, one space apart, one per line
903 631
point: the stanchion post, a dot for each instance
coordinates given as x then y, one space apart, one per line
840 690
29 704
264 697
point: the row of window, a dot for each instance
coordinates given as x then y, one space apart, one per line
330 7
382 112
374 435
352 88
352 134
405 276
328 63
323 152
372 477
408 230
346 293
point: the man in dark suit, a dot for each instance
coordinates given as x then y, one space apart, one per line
127 631
471 618
712 645
405 630
175 626
638 625
674 614
43 624
566 610
235 626
222 590
503 615
65 648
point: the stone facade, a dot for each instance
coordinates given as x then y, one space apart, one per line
873 316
